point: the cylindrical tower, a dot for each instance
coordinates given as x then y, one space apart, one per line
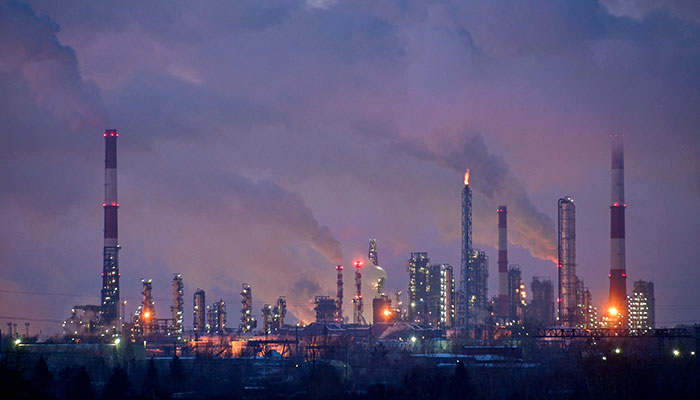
464 308
110 265
358 316
502 262
617 303
566 246
339 298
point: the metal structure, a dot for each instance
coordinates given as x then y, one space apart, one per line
199 313
642 306
373 256
502 305
279 313
465 272
613 333
540 311
267 319
217 318
339 296
325 309
590 312
478 302
381 310
441 296
617 301
517 296
358 317
567 304
178 307
418 287
110 265
248 323
145 316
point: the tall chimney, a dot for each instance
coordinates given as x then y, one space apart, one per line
502 262
617 303
566 248
465 319
110 267
339 299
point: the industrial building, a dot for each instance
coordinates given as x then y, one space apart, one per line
178 307
590 312
616 312
217 318
145 316
517 296
199 313
248 322
381 310
418 287
540 311
478 303
325 308
440 309
642 306
567 302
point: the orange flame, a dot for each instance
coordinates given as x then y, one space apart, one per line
466 178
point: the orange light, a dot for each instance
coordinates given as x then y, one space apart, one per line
147 315
612 311
466 178
387 312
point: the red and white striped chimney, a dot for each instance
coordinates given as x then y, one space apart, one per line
618 269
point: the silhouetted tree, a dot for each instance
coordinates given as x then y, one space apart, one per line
118 386
78 385
41 381
178 375
149 387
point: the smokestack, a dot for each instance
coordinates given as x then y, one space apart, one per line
617 304
359 318
502 262
566 241
339 300
465 271
110 267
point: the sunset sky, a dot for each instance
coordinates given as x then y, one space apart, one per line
265 141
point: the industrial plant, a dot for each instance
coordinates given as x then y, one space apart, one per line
448 314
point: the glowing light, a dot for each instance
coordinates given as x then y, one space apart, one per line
676 353
413 339
466 178
618 350
613 311
387 312
117 341
147 314
17 341
359 264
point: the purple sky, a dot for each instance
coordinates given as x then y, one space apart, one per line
265 141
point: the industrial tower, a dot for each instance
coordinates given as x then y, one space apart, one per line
465 270
248 323
502 310
178 306
567 304
339 296
617 302
110 265
358 317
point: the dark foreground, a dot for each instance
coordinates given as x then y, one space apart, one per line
25 376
